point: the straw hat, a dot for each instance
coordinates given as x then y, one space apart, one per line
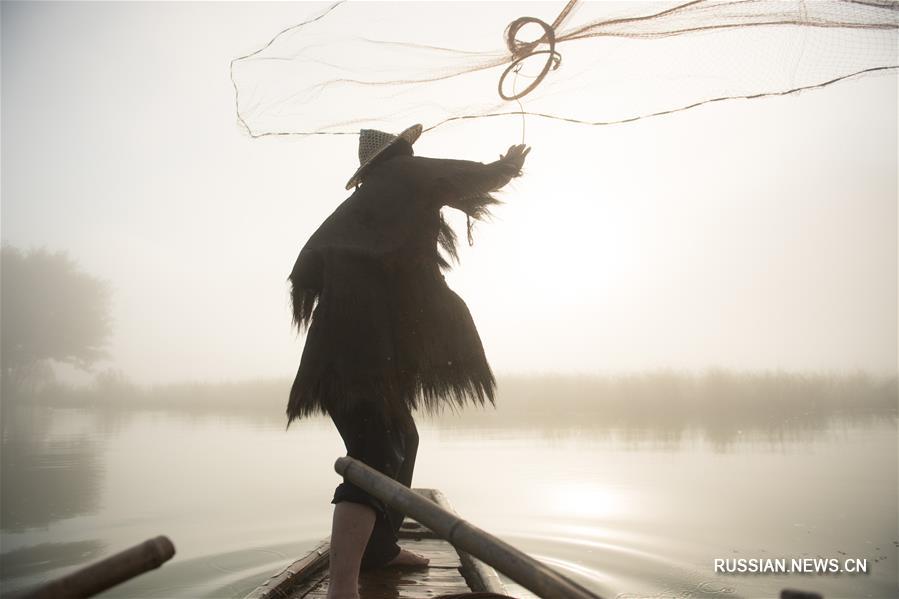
372 142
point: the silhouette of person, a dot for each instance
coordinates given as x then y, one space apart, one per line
386 335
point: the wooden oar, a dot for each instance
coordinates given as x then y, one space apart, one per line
106 573
517 565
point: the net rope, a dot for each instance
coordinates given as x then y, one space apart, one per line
386 65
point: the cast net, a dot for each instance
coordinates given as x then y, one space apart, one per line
379 65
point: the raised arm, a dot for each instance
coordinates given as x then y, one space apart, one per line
465 184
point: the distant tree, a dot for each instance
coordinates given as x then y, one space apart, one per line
50 310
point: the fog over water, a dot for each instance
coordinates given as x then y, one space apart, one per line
692 319
746 235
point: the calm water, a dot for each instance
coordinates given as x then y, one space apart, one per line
627 512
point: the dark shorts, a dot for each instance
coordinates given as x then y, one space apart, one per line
389 446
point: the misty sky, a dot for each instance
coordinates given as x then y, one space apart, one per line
747 235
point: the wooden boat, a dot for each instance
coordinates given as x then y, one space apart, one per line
462 555
450 571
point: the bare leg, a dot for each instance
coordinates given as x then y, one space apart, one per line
407 558
350 530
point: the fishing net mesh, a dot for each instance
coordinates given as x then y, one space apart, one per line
386 65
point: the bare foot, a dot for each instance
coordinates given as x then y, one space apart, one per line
407 558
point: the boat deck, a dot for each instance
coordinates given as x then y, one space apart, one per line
448 572
442 576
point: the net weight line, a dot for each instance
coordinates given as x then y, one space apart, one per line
632 119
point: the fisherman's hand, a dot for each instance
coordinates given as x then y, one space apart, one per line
514 158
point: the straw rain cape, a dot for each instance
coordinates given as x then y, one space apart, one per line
383 326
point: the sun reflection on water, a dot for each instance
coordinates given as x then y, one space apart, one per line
582 499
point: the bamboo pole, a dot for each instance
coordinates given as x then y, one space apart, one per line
108 572
482 576
517 565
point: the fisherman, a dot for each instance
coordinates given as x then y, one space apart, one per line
386 335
